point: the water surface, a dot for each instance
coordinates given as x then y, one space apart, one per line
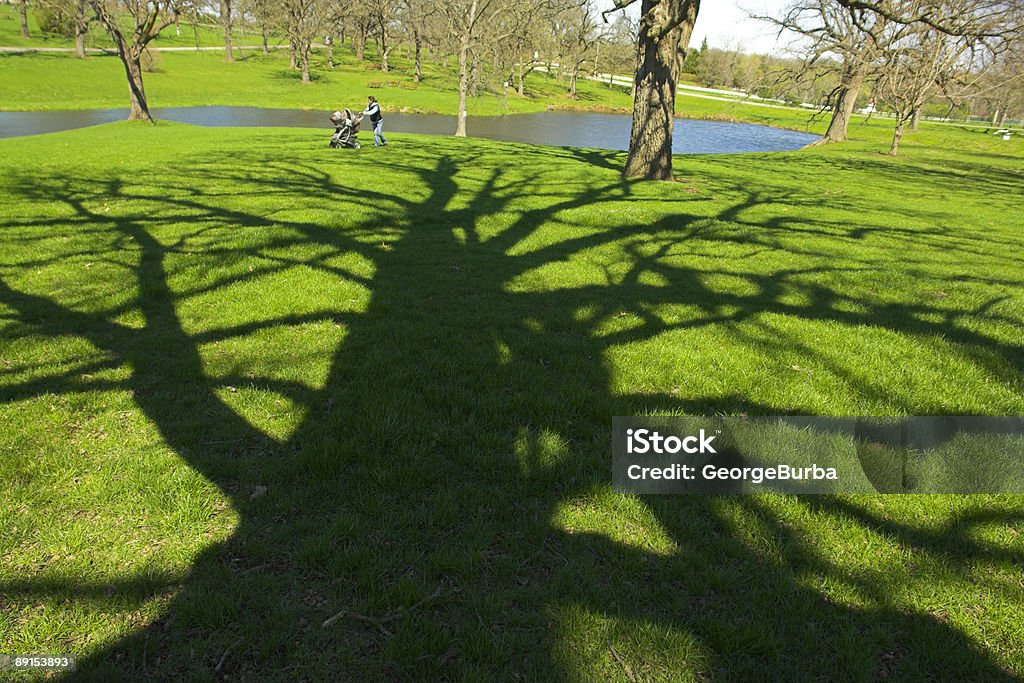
556 128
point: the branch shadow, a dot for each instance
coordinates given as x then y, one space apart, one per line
466 407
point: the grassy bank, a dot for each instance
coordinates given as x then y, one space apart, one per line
39 81
249 382
184 35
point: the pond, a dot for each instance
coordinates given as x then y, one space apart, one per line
567 129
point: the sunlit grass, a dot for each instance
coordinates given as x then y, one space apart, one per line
47 81
249 382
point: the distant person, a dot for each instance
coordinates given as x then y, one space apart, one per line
377 120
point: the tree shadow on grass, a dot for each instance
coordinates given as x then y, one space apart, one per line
449 477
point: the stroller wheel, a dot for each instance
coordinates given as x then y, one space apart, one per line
355 145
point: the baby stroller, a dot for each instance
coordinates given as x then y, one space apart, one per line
346 128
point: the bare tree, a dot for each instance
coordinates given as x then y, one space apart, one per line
917 67
523 40
82 17
665 29
23 17
227 21
146 18
578 35
621 40
361 20
467 23
74 18
830 29
302 21
970 18
260 13
1001 86
382 14
416 16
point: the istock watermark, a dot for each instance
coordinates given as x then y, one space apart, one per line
817 455
648 441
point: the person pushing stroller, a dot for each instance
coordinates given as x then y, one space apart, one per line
376 120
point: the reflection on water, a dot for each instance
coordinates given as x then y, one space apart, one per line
569 129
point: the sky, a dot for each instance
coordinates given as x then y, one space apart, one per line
726 25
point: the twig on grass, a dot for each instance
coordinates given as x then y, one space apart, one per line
355 616
379 622
622 663
223 657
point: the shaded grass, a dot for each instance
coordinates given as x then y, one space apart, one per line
249 381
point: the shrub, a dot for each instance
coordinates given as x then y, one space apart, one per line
54 20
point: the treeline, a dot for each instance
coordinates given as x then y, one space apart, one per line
496 43
909 57
766 76
991 90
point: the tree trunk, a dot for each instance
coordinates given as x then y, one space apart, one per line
81 27
263 31
23 16
130 55
225 18
521 87
304 59
384 47
418 74
460 124
139 110
897 135
572 82
915 119
359 43
842 110
330 53
292 63
664 34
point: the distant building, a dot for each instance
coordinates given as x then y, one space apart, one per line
870 109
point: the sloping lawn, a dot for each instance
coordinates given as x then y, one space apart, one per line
249 382
46 81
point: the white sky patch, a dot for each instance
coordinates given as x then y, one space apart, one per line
727 24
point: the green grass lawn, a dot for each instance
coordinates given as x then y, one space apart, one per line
185 35
38 82
249 382
44 81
